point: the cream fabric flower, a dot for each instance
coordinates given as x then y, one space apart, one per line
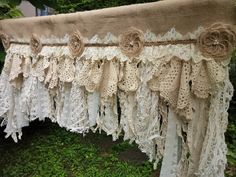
131 42
35 44
5 40
217 41
76 44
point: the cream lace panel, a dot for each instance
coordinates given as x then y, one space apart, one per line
214 149
102 88
72 106
149 122
128 77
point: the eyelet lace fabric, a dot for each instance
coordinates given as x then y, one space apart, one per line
97 86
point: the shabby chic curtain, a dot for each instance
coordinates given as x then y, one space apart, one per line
156 73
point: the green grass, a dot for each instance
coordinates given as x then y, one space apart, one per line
48 150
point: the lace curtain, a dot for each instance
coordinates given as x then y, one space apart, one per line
167 93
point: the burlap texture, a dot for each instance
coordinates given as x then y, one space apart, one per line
159 17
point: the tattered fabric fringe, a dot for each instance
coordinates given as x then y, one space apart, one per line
104 90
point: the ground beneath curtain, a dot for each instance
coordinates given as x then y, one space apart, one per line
48 150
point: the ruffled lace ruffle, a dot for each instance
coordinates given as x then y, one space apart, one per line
83 92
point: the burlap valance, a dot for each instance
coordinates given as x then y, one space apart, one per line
155 73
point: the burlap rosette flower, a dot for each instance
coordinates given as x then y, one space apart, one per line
217 41
131 42
76 44
5 40
35 44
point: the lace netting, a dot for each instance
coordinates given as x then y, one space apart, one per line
5 94
108 86
51 77
39 101
66 69
38 67
129 80
201 85
16 77
148 121
216 72
79 121
93 102
108 120
90 75
7 63
128 114
159 71
214 149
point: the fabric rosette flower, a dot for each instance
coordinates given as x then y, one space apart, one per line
132 42
5 40
217 41
76 44
35 44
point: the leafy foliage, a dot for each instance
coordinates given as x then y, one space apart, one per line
9 11
67 6
37 3
8 8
